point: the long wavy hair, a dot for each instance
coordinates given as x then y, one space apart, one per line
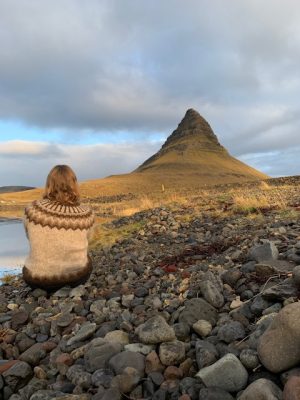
62 186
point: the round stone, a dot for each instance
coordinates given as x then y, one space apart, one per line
202 328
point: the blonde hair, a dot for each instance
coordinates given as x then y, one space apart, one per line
62 186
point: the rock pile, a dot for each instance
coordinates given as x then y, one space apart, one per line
190 307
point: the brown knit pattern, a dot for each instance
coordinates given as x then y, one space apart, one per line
56 215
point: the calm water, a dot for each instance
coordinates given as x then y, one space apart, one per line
13 246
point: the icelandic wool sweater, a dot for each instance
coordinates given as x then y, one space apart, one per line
58 237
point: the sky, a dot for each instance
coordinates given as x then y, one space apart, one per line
100 84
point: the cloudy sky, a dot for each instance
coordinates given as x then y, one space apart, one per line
100 84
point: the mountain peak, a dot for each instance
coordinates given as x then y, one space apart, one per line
193 127
193 150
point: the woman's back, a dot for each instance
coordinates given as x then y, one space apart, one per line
58 236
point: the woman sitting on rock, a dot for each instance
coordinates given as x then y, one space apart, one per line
58 228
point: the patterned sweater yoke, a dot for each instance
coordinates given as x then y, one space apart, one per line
58 236
56 215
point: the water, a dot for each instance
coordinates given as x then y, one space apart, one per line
13 247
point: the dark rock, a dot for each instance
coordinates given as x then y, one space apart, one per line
34 354
284 290
259 305
127 359
19 318
214 394
249 358
102 377
196 309
182 331
211 293
206 353
231 332
262 389
18 375
265 252
99 352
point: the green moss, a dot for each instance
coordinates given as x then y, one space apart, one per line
107 236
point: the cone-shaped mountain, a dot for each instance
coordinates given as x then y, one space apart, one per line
194 149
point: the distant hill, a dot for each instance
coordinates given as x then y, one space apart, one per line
13 189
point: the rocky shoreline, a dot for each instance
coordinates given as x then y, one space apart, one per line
191 306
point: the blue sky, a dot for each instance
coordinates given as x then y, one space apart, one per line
101 84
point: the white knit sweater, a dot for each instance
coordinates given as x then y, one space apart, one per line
58 237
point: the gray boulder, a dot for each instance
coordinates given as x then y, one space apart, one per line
99 352
228 374
279 346
155 330
196 309
264 252
120 361
262 389
212 294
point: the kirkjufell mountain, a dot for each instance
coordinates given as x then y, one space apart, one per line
195 151
191 158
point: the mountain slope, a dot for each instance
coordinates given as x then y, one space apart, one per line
194 149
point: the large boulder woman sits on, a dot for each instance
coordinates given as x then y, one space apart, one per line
58 228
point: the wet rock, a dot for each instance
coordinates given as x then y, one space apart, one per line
155 330
262 389
196 309
228 374
279 346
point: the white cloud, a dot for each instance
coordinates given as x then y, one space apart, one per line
89 162
125 65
